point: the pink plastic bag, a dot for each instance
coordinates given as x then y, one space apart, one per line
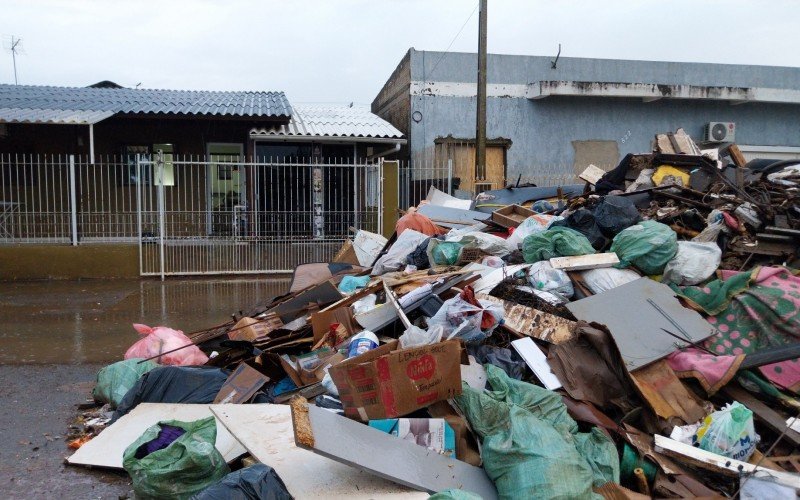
162 339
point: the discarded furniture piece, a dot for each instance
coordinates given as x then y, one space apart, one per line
355 444
265 430
639 316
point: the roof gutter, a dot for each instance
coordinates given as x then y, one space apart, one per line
395 149
328 139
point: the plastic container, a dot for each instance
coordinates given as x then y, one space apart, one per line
361 343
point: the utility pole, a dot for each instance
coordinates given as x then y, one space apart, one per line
480 129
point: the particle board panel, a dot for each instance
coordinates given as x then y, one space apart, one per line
366 448
106 449
530 322
637 326
583 262
266 431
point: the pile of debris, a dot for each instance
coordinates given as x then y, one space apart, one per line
634 336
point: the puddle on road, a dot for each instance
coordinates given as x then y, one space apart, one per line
90 321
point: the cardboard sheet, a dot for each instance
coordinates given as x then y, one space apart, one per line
106 449
266 432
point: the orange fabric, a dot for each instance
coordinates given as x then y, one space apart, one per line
417 222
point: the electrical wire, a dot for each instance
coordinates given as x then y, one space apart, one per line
454 39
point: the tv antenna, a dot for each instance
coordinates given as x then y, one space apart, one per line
15 46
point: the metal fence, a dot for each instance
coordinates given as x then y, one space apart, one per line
222 214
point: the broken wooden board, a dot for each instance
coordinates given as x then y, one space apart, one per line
106 449
537 362
266 431
718 463
522 320
636 314
666 394
592 174
365 448
583 262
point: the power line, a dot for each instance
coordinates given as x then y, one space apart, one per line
454 38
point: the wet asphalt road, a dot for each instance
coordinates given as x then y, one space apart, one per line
55 335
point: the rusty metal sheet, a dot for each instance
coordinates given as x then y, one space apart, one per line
636 314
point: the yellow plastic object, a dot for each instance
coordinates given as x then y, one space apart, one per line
666 170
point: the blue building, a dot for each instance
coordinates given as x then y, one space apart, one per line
574 111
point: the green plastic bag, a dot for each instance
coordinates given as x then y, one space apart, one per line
443 253
115 380
531 446
453 494
648 245
187 466
555 242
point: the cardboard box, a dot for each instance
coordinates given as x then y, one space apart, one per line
311 367
387 382
434 434
252 329
241 385
511 215
321 321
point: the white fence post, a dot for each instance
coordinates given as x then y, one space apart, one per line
161 215
139 209
450 176
73 205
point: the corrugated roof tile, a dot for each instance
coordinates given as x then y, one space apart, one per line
331 121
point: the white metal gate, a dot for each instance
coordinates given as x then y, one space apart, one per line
222 216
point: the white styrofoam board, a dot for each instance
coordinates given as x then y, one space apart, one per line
106 449
537 361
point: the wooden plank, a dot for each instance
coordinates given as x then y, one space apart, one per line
592 174
522 320
762 412
583 262
736 155
365 448
266 431
537 362
106 449
717 463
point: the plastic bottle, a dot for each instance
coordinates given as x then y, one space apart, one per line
361 343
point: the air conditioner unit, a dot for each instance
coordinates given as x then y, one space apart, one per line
720 132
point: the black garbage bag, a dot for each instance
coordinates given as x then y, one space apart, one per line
583 221
614 214
257 482
615 179
500 357
419 257
174 384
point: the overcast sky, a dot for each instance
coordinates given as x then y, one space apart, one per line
341 51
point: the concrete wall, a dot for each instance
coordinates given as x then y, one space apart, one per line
542 131
31 262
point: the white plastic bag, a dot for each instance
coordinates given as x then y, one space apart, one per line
365 304
606 278
542 276
395 257
533 224
415 336
492 261
694 263
460 319
729 432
